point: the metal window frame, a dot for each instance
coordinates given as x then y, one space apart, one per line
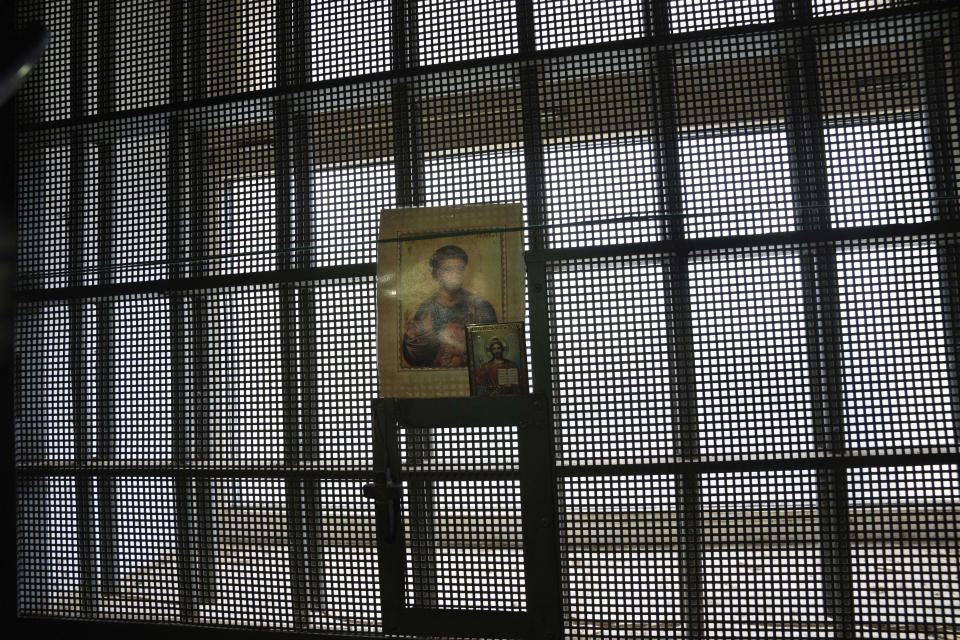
806 152
534 472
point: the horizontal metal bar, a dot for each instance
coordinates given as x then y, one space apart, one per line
817 461
463 623
67 627
200 283
879 232
206 471
460 474
452 412
690 246
933 525
30 626
682 39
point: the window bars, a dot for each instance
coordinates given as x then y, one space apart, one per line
741 227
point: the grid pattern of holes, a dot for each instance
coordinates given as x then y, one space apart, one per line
144 581
565 23
141 55
43 239
879 173
232 227
44 411
621 561
904 552
475 551
604 159
346 372
734 163
241 47
697 15
618 201
48 565
337 52
610 369
137 205
762 563
450 31
896 377
834 8
736 184
354 174
750 354
349 596
595 112
244 374
235 398
252 554
140 380
460 448
47 95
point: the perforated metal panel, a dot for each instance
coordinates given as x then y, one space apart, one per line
741 233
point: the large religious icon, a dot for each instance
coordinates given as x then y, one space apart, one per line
438 270
497 356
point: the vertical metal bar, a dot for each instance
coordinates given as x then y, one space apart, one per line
293 55
408 157
297 70
196 59
186 581
106 56
421 494
86 531
544 588
288 318
821 313
683 390
199 371
291 446
942 139
202 515
10 363
177 196
540 522
105 445
940 91
390 548
291 435
307 325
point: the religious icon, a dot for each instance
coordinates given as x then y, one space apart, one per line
497 354
439 270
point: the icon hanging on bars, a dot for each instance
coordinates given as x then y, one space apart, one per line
439 270
497 357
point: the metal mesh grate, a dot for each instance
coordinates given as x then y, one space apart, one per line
740 223
468 551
